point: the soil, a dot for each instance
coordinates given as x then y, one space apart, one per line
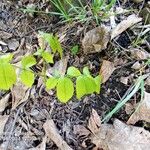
41 106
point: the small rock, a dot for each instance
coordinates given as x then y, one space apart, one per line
147 81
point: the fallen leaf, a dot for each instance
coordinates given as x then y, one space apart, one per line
4 102
20 94
120 136
125 24
106 70
80 130
94 122
142 110
96 40
59 67
3 120
139 54
53 134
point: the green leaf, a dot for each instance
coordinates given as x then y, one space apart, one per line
39 52
65 89
27 77
75 49
51 83
28 61
7 74
52 44
98 84
73 71
86 71
6 58
59 48
48 57
84 85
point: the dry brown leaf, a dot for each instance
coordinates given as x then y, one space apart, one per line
96 40
59 67
139 54
4 102
125 24
106 70
20 94
142 112
80 130
94 122
120 136
52 133
3 120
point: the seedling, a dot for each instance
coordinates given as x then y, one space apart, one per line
75 49
84 82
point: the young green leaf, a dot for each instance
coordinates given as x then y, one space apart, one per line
65 89
84 85
73 71
48 57
86 71
75 49
7 74
51 83
98 84
52 44
39 52
58 45
28 61
6 58
27 77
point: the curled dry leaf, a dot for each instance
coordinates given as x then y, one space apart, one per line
125 24
120 136
139 54
96 40
4 102
94 122
52 133
106 70
142 111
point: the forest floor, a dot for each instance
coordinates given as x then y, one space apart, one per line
33 118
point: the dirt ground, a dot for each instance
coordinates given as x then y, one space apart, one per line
24 127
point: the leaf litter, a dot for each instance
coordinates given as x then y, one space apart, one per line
29 122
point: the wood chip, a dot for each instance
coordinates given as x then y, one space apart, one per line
4 102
